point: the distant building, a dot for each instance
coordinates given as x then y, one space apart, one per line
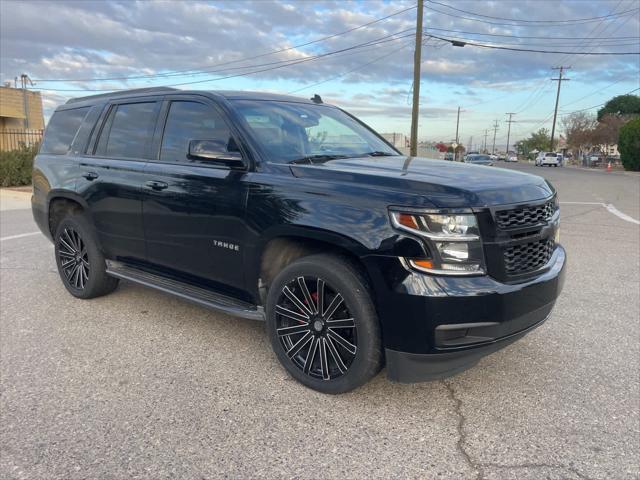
398 140
21 118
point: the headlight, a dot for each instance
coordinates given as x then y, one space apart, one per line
452 240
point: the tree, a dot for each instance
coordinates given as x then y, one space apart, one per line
579 128
608 129
629 145
537 141
441 147
621 105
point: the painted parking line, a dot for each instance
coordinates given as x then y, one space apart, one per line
22 235
610 208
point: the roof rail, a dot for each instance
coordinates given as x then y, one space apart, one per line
121 93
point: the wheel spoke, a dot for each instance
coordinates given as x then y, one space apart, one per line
81 276
67 246
76 277
308 363
335 303
320 292
286 331
323 359
67 263
65 254
336 355
70 273
299 344
340 340
285 312
341 323
69 236
301 306
307 295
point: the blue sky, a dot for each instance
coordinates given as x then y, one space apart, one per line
76 40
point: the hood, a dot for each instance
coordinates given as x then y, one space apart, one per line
445 184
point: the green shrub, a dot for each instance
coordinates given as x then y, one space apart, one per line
16 166
629 145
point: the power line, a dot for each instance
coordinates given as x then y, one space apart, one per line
459 43
352 70
292 62
577 20
594 19
595 106
190 72
530 36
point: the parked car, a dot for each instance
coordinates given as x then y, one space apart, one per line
293 212
493 157
502 156
512 157
479 159
449 156
548 159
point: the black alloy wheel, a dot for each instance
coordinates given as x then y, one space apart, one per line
74 258
80 261
315 328
322 323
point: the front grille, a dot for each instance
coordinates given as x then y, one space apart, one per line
525 216
527 257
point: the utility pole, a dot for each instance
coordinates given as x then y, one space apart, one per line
470 144
495 130
511 114
555 112
486 132
455 151
417 61
24 80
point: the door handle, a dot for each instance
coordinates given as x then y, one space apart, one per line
157 185
91 176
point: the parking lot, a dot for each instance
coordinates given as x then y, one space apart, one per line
139 384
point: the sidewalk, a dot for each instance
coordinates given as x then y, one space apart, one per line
15 198
615 170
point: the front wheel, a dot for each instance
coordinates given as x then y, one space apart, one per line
323 325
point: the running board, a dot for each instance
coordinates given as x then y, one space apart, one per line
201 296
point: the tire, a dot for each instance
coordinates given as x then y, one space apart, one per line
80 262
316 337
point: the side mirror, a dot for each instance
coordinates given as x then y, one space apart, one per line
215 151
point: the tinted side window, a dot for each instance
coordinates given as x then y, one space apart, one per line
62 129
192 121
128 130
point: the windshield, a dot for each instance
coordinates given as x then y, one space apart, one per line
290 131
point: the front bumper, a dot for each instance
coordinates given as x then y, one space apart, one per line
434 327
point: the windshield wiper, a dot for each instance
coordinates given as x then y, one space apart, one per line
381 154
318 158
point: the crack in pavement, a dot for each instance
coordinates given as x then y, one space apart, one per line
479 467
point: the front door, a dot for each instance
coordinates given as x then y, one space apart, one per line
193 209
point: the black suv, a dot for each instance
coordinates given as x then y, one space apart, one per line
292 211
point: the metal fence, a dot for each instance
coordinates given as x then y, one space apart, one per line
16 139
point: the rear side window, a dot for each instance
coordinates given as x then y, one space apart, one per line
127 131
62 129
192 121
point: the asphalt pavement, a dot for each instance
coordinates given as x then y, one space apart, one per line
139 384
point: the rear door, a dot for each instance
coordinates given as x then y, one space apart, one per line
194 210
112 173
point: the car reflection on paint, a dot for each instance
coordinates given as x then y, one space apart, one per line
479 159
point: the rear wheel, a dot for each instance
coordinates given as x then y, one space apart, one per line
80 262
322 324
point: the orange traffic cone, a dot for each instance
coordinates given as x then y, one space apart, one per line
609 167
